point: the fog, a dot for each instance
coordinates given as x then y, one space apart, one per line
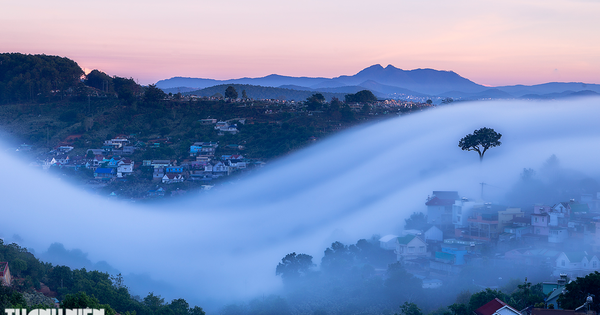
223 246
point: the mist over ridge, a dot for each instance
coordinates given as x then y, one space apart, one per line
225 246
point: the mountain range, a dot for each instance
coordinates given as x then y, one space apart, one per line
390 82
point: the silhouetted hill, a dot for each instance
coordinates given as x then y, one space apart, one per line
378 79
565 94
392 82
425 81
549 88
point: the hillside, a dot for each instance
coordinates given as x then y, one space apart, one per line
40 78
35 283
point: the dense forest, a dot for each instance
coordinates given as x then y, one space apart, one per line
36 78
78 288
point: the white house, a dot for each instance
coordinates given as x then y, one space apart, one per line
558 234
125 168
388 242
434 234
576 264
410 247
171 178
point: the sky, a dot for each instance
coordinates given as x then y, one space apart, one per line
489 42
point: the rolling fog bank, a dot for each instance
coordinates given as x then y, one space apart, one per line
224 246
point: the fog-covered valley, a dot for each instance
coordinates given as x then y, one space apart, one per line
223 247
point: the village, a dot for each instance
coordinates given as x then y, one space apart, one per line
113 163
560 241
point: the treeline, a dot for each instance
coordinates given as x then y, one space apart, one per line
261 92
36 78
41 79
78 288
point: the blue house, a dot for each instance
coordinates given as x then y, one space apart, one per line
105 173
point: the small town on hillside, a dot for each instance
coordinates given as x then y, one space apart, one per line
135 167
562 240
112 162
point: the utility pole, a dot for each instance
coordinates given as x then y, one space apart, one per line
482 183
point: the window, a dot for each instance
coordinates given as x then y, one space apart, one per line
411 249
421 249
535 219
562 263
594 264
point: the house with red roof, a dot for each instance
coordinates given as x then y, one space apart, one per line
172 178
496 307
5 278
439 208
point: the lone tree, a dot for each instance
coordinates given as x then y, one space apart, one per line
230 92
480 141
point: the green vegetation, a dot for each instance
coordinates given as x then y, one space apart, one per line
578 291
78 288
36 78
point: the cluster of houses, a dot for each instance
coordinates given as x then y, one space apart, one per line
112 161
564 237
499 307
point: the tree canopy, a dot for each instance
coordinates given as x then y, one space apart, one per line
32 77
153 94
293 266
480 141
314 101
230 92
577 291
364 96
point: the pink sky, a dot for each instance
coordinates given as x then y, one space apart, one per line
489 42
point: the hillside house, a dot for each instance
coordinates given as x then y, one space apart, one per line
576 264
174 169
125 168
161 163
158 174
5 277
514 231
220 168
172 178
388 242
439 208
203 149
433 234
483 223
461 211
558 234
506 217
105 173
532 256
496 307
410 247
540 220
